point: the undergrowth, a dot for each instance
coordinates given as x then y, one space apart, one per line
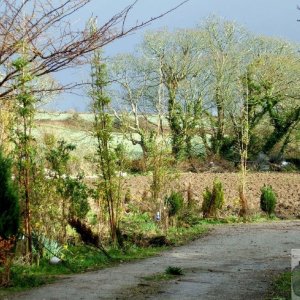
281 287
83 258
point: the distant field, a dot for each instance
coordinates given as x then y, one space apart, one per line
63 126
61 116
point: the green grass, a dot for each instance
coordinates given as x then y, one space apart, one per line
82 258
170 273
77 259
181 235
281 287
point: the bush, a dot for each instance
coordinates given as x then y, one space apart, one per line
213 200
9 204
268 199
174 203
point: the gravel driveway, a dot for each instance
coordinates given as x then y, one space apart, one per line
231 262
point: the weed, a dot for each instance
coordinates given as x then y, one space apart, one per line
159 277
281 287
176 271
168 274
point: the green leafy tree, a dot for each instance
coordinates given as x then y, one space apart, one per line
271 80
24 110
106 155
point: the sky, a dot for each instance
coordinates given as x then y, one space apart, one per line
277 18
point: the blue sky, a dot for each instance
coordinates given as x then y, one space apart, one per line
276 18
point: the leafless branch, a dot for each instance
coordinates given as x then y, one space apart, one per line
52 44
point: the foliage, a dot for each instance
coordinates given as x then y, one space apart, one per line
83 258
9 204
7 246
77 191
174 203
59 156
280 287
174 271
45 247
24 109
268 199
109 160
159 163
137 223
213 200
181 235
177 76
72 191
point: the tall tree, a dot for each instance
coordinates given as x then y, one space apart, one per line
22 136
106 159
273 86
136 98
178 55
224 52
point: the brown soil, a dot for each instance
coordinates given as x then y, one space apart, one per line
286 186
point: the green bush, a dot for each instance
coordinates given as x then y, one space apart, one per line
268 199
174 203
9 202
213 200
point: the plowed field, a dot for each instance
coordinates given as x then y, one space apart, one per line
286 185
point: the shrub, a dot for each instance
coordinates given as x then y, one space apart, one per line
175 271
9 219
268 199
213 200
9 204
174 203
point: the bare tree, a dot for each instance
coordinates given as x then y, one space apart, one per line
138 96
179 56
53 44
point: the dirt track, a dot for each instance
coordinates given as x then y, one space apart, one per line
232 262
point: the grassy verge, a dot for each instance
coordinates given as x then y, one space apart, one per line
281 287
82 258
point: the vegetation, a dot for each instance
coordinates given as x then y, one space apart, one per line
174 203
108 159
174 271
213 200
9 219
268 200
170 273
281 287
9 205
191 97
